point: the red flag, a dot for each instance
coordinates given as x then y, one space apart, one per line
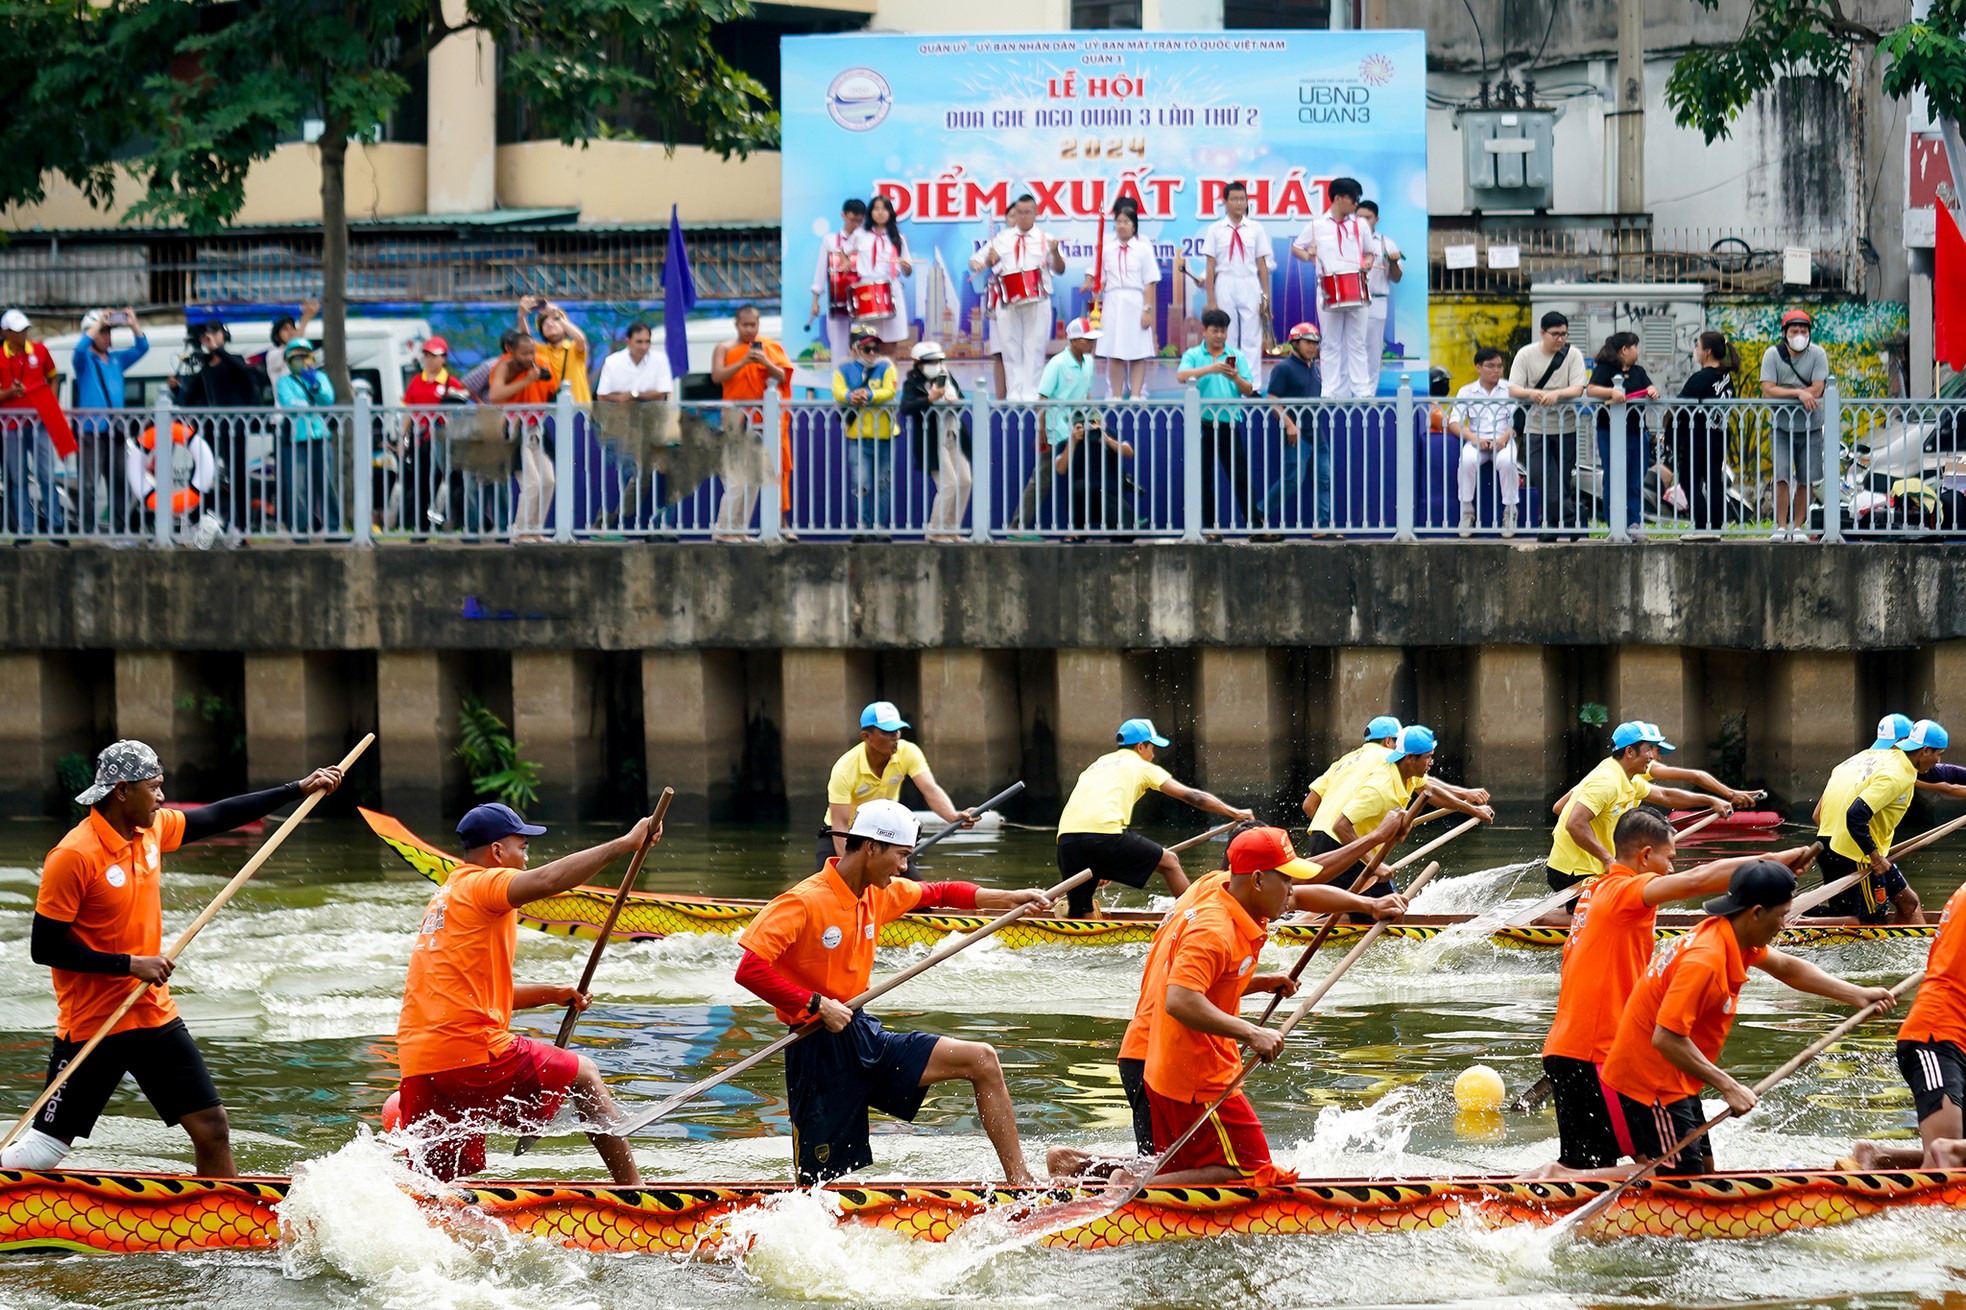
48 406
1949 291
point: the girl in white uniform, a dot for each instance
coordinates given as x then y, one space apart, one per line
887 252
1130 272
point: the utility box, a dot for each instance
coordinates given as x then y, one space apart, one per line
1508 157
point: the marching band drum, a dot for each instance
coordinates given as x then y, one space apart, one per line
1021 288
1344 290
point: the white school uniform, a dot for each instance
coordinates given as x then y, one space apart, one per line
1239 283
1492 419
1337 245
1023 331
1129 273
882 257
839 327
1380 282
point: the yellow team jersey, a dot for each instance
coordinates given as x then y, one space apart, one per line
1103 798
1885 780
853 783
1340 767
1365 793
1609 793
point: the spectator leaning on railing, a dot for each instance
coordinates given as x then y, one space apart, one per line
1306 438
518 378
866 385
99 384
24 366
310 496
1617 376
1067 376
1483 424
1795 368
940 432
1700 434
746 368
635 374
423 479
1550 374
1220 373
221 380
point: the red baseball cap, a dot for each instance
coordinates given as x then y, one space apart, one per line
1259 850
435 346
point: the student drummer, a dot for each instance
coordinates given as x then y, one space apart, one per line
1023 327
1679 1014
811 950
1609 946
1092 829
1857 820
98 922
875 770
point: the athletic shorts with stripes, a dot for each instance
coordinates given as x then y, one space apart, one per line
1232 1137
1937 1074
1646 1132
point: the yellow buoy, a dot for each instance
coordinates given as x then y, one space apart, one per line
1479 1088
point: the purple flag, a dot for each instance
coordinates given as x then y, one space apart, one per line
678 299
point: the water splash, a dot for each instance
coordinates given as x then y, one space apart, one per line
1469 893
1367 1142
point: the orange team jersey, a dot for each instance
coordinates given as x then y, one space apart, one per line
457 1000
1610 942
1214 952
107 890
1691 989
1153 974
1938 1014
821 938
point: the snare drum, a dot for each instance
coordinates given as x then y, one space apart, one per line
1344 290
873 302
1021 288
840 280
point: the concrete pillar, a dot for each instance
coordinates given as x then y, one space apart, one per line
1814 721
1367 684
693 727
1945 694
156 702
416 729
1514 734
1241 723
1654 683
822 703
461 157
968 720
1092 703
557 722
296 716
46 712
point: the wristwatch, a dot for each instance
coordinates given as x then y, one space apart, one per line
812 1006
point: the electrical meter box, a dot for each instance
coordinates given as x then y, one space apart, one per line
1508 157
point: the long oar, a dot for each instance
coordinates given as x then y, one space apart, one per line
1474 821
1910 845
1576 1220
572 1016
1523 918
197 926
984 808
1201 837
663 1109
1071 1214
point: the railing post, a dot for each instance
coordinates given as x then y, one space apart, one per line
1404 508
563 464
1832 465
982 465
163 450
771 521
1191 465
1617 474
361 496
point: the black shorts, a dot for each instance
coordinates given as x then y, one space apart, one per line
1937 1074
1583 1117
1651 1130
1865 901
164 1061
833 1079
1563 882
1133 1079
1323 843
1112 856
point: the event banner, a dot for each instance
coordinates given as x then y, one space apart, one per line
953 128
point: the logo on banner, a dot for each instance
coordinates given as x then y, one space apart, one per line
1375 70
859 99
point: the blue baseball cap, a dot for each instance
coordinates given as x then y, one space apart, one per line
1135 731
485 824
1383 726
882 714
1926 733
1636 731
1891 729
1414 739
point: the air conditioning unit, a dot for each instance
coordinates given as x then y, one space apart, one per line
1668 317
1508 158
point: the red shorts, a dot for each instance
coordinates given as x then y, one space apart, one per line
449 1113
1232 1137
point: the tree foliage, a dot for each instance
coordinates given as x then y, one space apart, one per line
1709 87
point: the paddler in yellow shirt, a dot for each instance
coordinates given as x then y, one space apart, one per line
1857 819
1365 793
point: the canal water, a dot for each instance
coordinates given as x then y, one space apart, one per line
293 994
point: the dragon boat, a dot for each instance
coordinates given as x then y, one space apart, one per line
648 915
130 1213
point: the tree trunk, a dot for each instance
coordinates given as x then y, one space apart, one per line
334 259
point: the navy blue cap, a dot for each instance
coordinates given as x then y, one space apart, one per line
485 824
1761 885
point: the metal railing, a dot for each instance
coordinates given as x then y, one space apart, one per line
1725 260
1406 467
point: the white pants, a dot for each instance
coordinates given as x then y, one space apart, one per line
1508 479
1375 328
839 337
1023 331
952 483
535 488
735 509
1242 300
1348 367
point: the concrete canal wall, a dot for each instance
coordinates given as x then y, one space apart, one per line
735 675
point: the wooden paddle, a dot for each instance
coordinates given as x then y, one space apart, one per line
985 807
1571 1222
663 1109
1473 821
1523 918
1071 1214
1910 845
572 1016
239 879
1201 837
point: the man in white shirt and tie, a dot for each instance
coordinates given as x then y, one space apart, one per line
849 244
1387 268
1237 280
1336 243
1024 316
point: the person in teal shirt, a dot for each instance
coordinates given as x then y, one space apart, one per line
309 494
1067 376
1220 373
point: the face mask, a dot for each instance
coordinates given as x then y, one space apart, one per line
1798 341
935 369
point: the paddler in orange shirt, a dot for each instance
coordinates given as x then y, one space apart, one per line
1932 1055
463 1068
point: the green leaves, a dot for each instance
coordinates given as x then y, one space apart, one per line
492 758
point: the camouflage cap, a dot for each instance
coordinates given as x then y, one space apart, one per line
121 761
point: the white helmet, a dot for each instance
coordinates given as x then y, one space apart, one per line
885 821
